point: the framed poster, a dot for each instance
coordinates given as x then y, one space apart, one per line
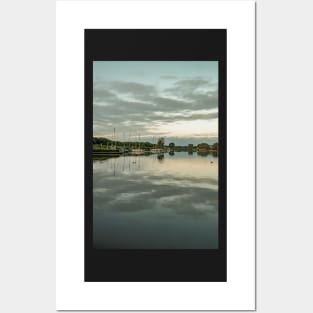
157 201
155 155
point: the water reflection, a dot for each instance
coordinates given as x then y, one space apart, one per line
156 201
160 157
204 153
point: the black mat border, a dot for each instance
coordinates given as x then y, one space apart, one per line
155 265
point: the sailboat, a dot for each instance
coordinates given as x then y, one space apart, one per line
109 151
138 151
159 150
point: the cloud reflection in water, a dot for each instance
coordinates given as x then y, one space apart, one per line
141 203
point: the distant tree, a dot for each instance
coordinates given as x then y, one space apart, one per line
172 145
215 146
160 143
190 146
101 140
203 146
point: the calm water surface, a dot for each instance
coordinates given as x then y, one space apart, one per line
142 202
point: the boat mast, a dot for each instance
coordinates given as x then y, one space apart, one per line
114 143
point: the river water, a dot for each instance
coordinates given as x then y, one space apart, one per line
151 202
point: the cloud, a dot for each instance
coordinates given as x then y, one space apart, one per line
192 83
102 94
131 104
190 196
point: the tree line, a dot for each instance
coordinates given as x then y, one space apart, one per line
102 141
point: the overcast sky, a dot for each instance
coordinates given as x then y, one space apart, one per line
151 99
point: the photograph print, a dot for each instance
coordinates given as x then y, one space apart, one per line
155 155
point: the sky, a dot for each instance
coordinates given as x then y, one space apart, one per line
146 100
